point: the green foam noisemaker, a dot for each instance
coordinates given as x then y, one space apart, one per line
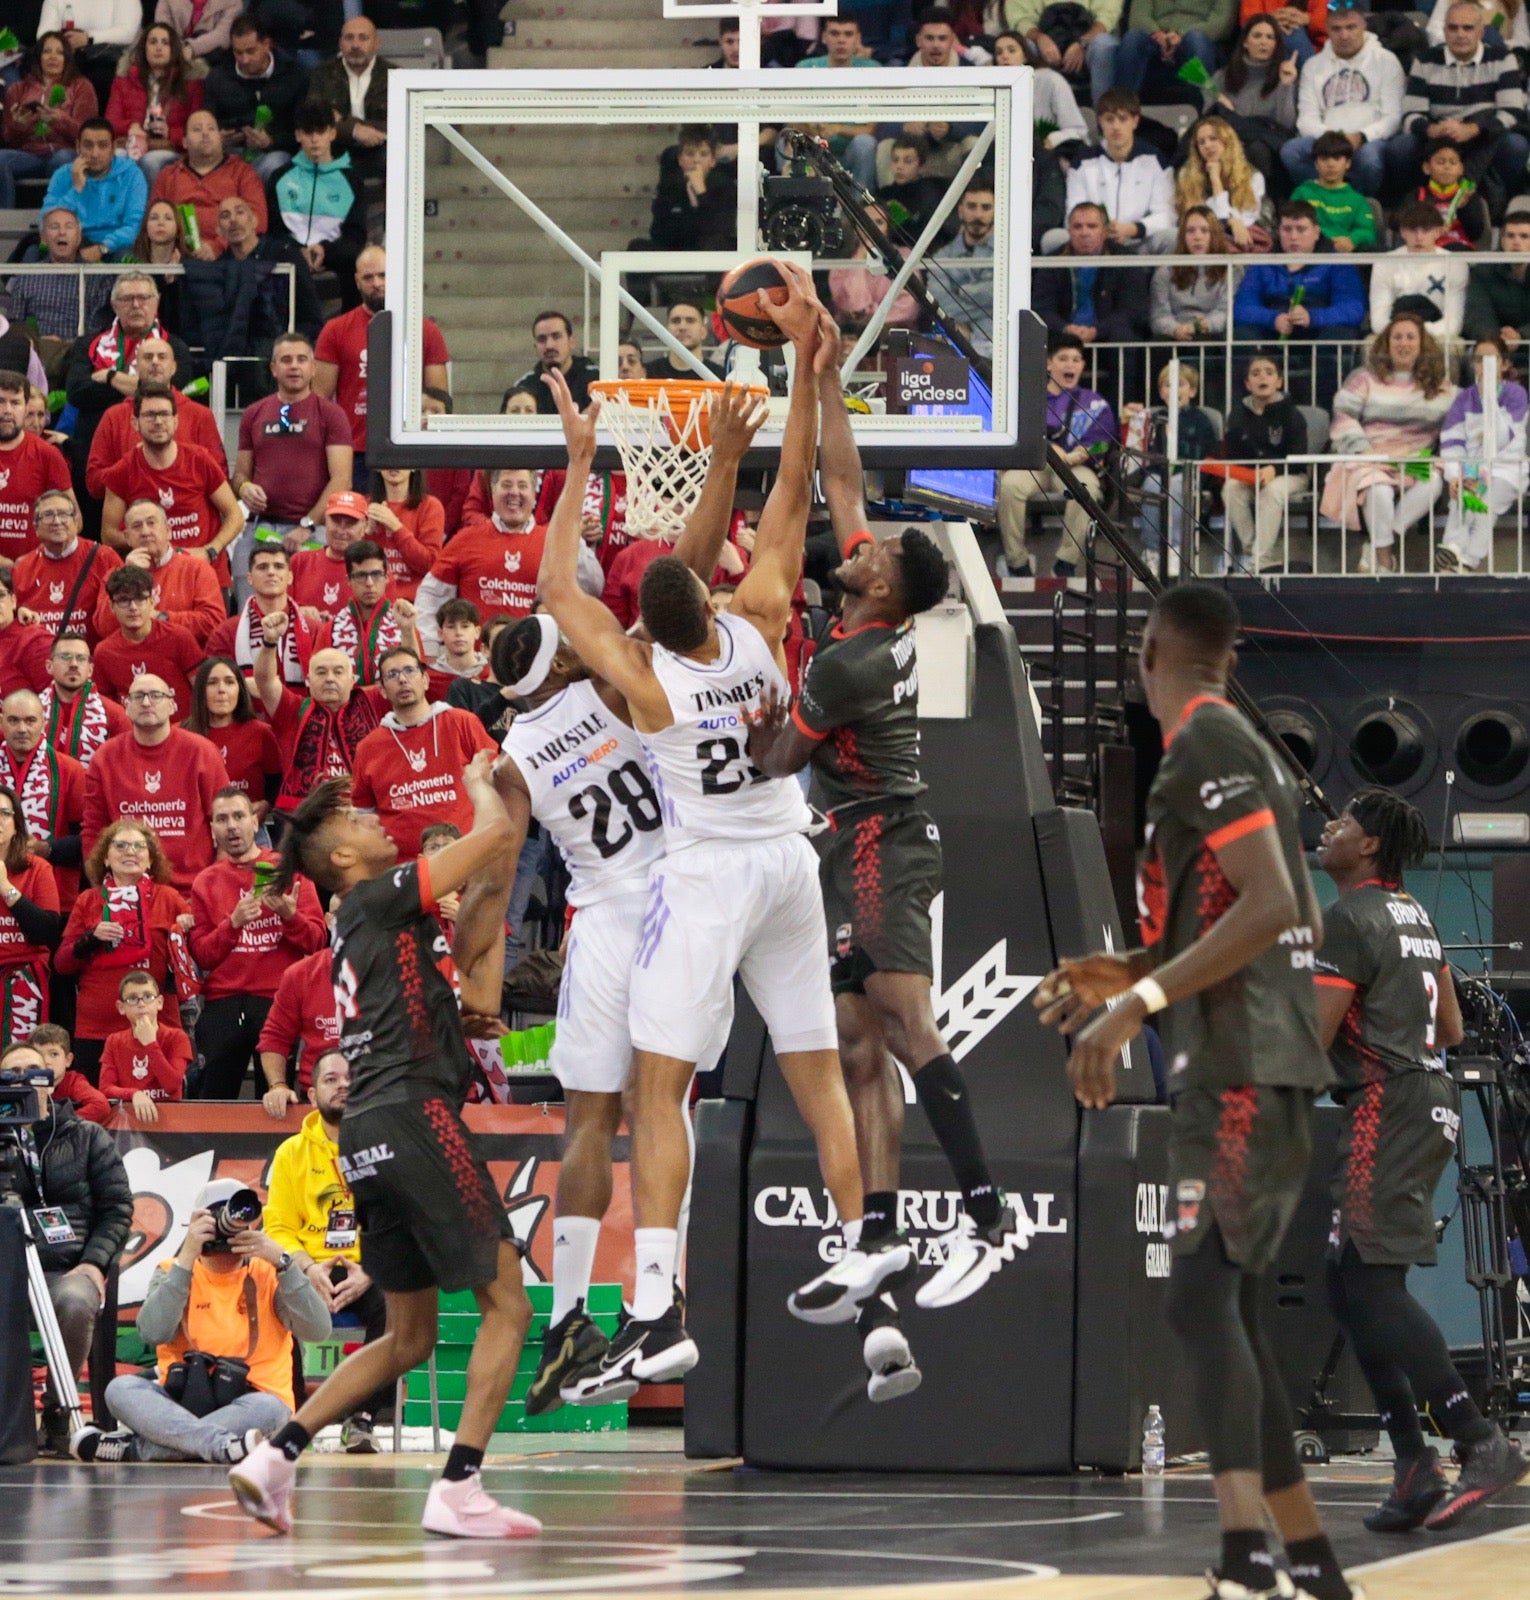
262 117
1194 72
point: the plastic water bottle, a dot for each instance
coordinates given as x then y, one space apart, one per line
1153 1443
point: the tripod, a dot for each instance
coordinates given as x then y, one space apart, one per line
41 1302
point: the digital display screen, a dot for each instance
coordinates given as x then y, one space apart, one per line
957 487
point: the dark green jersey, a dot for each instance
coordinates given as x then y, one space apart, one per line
1380 946
1218 782
860 700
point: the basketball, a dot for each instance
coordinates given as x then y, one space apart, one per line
740 300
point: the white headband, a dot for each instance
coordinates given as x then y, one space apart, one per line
536 674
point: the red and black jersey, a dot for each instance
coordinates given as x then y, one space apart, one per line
400 1028
1380 946
1217 783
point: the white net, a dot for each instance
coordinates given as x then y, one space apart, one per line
660 430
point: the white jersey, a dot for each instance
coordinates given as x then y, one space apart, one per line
588 780
700 763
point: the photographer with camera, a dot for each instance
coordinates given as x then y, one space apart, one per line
223 1314
69 1177
311 1212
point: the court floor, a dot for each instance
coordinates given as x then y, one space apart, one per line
633 1516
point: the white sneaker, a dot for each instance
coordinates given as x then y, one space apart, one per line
973 1255
891 1364
835 1295
262 1484
463 1510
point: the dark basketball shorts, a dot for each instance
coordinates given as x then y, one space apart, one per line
1238 1158
880 871
1399 1135
429 1214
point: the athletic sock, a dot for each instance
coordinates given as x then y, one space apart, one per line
654 1250
851 1232
943 1094
1246 1559
879 1220
462 1461
574 1241
1400 1419
292 1439
1316 1568
1458 1418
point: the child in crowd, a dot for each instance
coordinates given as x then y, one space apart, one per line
146 1061
1420 280
1462 210
1146 431
1480 491
461 630
1344 215
1265 426
53 1044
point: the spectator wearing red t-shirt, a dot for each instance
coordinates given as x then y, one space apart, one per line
28 465
160 774
51 787
319 582
625 576
238 637
115 436
409 524
341 353
193 488
371 621
223 713
245 936
186 589
56 1048
303 1016
409 770
142 641
146 1061
29 924
23 646
80 719
603 518
64 570
319 732
123 922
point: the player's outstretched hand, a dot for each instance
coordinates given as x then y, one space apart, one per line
767 724
1092 1061
578 429
737 414
1065 997
798 317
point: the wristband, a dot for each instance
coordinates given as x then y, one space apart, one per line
1150 992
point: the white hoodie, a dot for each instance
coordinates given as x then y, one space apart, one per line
1361 95
1439 275
1139 189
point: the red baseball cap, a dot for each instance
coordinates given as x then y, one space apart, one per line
347 503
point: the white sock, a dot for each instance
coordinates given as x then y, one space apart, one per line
852 1233
574 1241
654 1249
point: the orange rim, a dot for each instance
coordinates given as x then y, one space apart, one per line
681 392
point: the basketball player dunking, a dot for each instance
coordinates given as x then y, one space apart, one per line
430 1215
575 764
738 888
1230 926
857 722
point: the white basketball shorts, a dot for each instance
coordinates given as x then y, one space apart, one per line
724 906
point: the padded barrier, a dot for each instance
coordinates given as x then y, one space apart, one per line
18 1424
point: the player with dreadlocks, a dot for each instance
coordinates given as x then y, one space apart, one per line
430 1215
1387 1009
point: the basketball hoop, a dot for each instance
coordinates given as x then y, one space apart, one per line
663 432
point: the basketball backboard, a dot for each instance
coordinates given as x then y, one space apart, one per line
557 166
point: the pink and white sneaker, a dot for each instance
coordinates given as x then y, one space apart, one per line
463 1510
262 1483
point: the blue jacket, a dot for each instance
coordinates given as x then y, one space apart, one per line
110 208
1333 298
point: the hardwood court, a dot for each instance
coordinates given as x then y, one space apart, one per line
643 1521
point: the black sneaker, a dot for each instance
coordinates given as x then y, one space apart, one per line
1418 1486
356 1435
570 1350
642 1352
91 1444
884 1348
836 1295
53 1432
1488 1469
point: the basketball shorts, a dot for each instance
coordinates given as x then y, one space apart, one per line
880 872
429 1213
592 1047
723 906
1399 1135
1238 1158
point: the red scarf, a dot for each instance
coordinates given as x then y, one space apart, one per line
23 1000
325 745
128 906
112 348
35 783
86 719
363 639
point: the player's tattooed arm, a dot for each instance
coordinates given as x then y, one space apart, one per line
776 745
737 414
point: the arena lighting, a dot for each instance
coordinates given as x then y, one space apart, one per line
1491 827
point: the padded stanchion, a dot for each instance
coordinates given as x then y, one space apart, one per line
18 1424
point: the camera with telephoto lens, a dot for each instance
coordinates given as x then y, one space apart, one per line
241 1211
802 213
20 1102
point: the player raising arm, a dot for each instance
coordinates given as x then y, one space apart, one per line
692 693
1230 924
431 1217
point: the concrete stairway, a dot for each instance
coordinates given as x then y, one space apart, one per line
489 268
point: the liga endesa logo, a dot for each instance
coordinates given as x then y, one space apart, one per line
924 1214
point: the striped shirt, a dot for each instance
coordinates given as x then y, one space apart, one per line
1488 89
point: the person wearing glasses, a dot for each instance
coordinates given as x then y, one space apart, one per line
409 770
79 718
121 923
154 362
185 588
1353 86
372 620
28 467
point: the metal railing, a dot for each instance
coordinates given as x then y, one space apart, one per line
114 269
